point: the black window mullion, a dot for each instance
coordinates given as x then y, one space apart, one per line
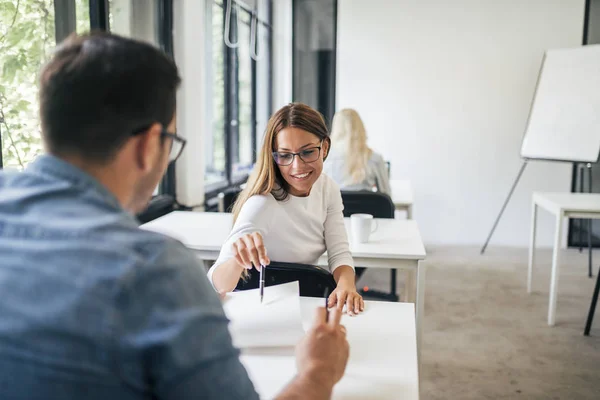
99 15
270 63
254 112
165 38
230 81
64 19
235 110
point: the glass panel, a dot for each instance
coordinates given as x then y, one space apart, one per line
82 21
28 37
215 142
243 162
314 50
134 19
263 9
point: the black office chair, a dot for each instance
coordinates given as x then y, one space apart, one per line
313 280
227 199
590 318
379 205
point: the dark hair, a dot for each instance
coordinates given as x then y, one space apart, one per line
98 89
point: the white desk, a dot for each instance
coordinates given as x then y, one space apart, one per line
402 196
395 244
383 355
561 205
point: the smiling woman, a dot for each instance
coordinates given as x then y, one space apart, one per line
290 212
294 127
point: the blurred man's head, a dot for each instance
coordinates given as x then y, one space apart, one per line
107 105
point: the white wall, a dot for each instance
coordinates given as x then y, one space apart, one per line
282 53
444 88
189 37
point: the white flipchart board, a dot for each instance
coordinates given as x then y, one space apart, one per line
564 120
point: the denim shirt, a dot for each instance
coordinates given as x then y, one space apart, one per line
92 307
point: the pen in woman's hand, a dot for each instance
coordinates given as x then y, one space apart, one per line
261 282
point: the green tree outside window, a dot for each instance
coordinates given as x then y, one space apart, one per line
27 37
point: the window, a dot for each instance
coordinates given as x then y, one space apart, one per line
239 89
215 140
314 50
29 30
138 20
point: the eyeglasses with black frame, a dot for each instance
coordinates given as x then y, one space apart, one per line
177 142
284 158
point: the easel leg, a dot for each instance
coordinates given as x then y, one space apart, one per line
512 189
590 318
589 169
580 221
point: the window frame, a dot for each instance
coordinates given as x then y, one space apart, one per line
231 75
325 101
165 201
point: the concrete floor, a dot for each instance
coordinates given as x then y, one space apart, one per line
484 337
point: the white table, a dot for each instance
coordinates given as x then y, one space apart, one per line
402 196
383 355
395 244
561 205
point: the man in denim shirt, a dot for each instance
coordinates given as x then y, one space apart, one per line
92 307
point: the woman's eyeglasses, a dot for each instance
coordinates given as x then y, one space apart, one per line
284 158
177 142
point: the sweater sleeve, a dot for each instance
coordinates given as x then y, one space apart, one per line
336 239
255 216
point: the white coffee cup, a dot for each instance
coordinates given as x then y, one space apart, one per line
362 226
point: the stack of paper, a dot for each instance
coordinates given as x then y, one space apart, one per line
276 322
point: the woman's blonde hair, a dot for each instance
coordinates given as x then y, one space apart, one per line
349 134
266 177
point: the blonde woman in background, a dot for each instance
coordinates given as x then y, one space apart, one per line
352 164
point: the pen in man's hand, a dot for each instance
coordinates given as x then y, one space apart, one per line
261 282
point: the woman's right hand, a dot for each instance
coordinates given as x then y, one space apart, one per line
250 250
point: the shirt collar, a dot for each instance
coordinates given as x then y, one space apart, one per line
50 165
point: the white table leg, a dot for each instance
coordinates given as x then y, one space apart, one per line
532 247
409 213
420 304
555 268
410 287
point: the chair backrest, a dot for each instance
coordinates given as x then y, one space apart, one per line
379 205
227 198
313 280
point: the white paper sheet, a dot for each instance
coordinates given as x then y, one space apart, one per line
277 322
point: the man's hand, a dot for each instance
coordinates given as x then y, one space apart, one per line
323 353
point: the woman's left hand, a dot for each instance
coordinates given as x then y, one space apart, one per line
348 296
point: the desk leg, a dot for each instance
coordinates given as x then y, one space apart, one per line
410 287
409 213
555 269
532 247
420 304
